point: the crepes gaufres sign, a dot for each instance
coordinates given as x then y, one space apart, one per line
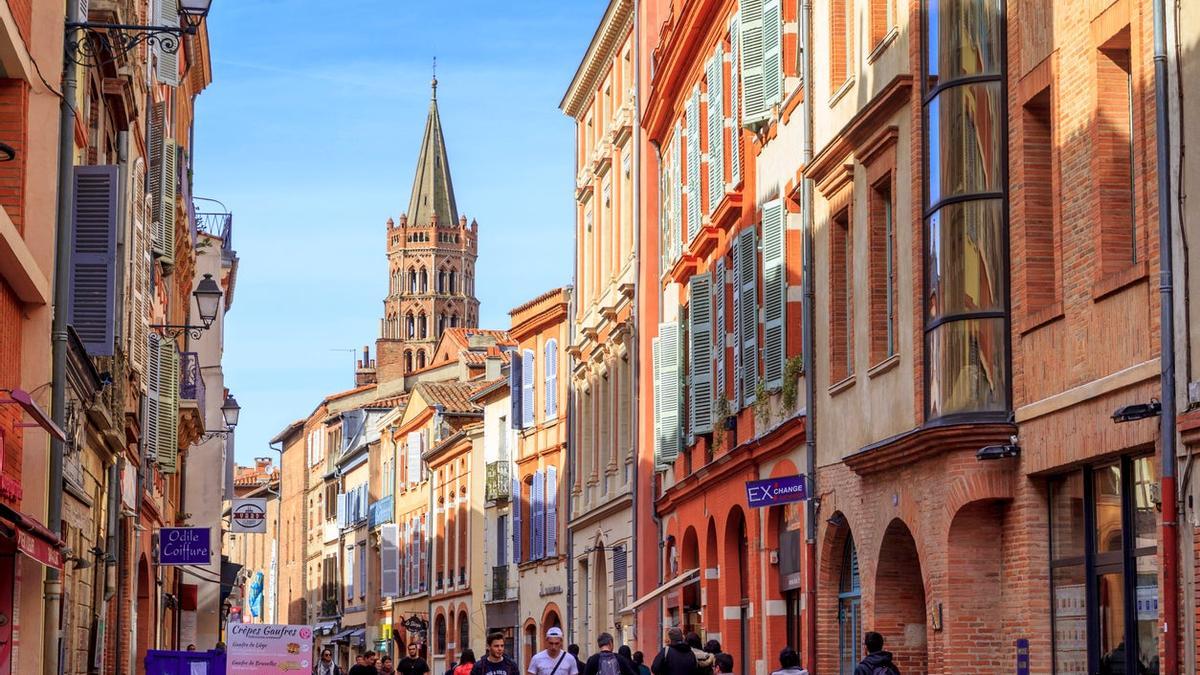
249 515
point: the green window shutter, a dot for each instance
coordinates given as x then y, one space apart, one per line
719 328
150 419
656 371
167 69
748 312
168 408
735 401
139 276
700 366
162 183
676 192
692 112
772 64
735 129
667 395
714 73
774 293
750 17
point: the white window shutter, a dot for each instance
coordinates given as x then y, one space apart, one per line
139 276
168 62
656 373
735 128
389 560
692 113
715 75
349 570
750 17
772 64
668 394
774 293
748 319
527 388
341 510
551 511
700 354
674 222
718 330
551 368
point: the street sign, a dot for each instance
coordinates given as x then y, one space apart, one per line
268 649
1022 656
249 515
184 546
414 624
774 491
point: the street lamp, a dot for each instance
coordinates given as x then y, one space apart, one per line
208 302
194 11
230 411
96 41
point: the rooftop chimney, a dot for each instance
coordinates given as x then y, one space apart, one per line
365 372
492 364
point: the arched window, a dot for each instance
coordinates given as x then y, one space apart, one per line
441 323
453 281
439 631
441 281
410 326
420 360
424 281
422 326
408 364
412 280
454 321
464 632
849 616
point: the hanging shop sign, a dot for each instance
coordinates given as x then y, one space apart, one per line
184 546
774 491
249 515
268 649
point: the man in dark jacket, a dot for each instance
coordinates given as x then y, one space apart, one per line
877 661
496 662
676 658
607 662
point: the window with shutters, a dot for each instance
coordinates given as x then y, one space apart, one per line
551 384
774 283
528 364
665 350
714 79
841 297
692 116
841 43
748 306
700 379
93 286
883 270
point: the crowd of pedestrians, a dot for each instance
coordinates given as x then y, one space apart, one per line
680 655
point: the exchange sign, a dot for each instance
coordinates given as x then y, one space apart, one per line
773 491
249 515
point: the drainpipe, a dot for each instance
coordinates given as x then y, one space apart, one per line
658 523
1170 517
570 464
809 340
634 338
64 229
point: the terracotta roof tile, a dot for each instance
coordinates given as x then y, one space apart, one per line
455 397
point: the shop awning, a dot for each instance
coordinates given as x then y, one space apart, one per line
32 538
324 628
349 634
689 577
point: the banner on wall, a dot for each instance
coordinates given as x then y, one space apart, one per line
268 649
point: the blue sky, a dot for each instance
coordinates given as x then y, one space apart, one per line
309 134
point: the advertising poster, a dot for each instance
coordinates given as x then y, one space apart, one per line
268 649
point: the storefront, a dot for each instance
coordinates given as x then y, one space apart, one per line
38 547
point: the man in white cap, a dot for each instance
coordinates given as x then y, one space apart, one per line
553 660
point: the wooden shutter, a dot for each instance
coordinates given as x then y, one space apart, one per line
667 393
93 286
551 368
167 69
674 222
341 510
151 416
348 568
168 407
772 64
516 415
412 468
551 511
774 293
715 74
748 318
718 329
736 328
750 18
162 182
700 376
527 368
692 113
735 128
139 276
389 560
537 517
516 518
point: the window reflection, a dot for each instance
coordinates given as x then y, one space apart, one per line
966 258
1111 593
965 133
966 367
1145 514
964 38
1147 614
1107 488
1066 517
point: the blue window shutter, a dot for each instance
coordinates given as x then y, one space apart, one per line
516 518
551 512
551 368
735 129
527 368
692 114
93 258
538 518
719 328
516 416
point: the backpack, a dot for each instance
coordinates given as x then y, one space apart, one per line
609 664
882 670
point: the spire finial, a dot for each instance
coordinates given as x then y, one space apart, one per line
434 83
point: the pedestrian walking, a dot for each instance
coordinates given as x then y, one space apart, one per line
496 662
466 663
605 662
385 666
553 660
704 660
412 664
573 650
364 664
639 660
877 661
326 666
724 663
789 663
676 657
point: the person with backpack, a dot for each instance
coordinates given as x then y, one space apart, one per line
877 661
704 660
607 662
553 660
789 663
639 660
676 658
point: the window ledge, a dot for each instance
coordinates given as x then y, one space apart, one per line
1119 281
883 44
1043 317
841 91
884 366
839 387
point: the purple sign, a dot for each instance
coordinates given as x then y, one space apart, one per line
184 546
773 491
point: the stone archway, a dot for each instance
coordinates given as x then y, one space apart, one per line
145 618
899 600
839 599
974 593
711 579
736 589
689 559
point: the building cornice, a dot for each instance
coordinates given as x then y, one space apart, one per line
616 23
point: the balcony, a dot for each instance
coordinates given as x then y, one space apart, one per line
500 583
219 225
191 383
499 481
329 608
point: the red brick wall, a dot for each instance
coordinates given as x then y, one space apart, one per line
10 378
22 11
14 108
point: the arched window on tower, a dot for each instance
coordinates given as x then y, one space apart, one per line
422 326
420 359
412 280
408 362
424 281
454 321
441 281
453 281
410 327
441 323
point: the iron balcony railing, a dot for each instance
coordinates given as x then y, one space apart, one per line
218 225
499 481
191 382
500 583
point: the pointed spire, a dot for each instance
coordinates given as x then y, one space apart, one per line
432 192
